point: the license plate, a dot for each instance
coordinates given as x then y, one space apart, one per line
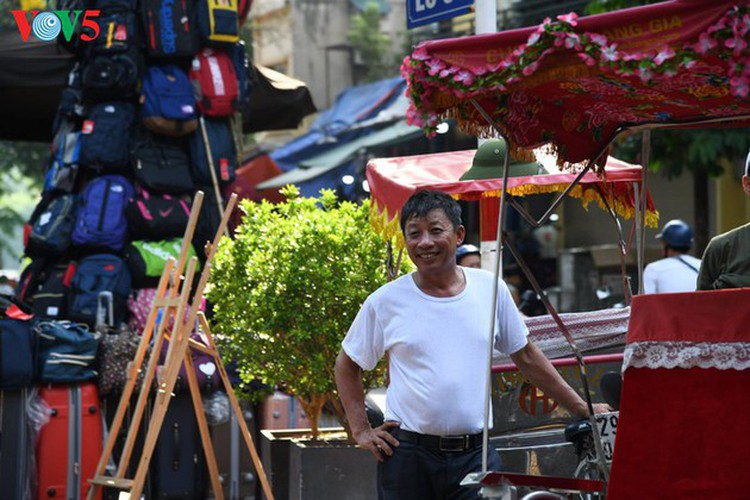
607 424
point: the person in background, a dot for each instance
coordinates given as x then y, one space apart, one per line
677 271
433 324
468 255
726 261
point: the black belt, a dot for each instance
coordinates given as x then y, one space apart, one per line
440 443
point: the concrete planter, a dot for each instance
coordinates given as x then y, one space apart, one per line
302 469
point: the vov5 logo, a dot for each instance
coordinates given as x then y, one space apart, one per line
47 25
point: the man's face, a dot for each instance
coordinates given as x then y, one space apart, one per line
431 241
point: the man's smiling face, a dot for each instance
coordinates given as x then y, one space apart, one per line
431 241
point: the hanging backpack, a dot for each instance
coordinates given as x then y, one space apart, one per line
157 216
241 63
161 163
49 230
50 301
214 83
223 153
18 354
168 101
147 259
101 222
106 136
170 28
218 22
111 76
95 274
118 29
63 169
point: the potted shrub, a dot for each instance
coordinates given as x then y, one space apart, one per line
287 287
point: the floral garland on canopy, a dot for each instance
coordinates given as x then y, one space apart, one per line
593 48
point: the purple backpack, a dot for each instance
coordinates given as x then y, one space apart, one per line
101 221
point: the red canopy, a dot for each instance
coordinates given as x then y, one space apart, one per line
576 81
393 180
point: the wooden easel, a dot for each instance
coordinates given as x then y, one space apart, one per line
173 299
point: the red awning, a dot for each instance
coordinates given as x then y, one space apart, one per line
576 82
393 180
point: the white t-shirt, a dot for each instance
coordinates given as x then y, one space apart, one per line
438 349
669 275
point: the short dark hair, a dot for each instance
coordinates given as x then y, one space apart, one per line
424 201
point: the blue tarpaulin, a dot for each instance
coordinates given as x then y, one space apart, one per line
334 125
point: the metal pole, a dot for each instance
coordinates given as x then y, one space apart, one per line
645 160
498 274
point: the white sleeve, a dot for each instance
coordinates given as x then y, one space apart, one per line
512 333
364 341
649 280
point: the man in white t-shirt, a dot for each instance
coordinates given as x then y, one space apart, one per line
434 325
677 271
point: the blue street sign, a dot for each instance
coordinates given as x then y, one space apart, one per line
420 12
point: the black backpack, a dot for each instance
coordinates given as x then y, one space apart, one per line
154 216
111 76
223 152
106 135
50 300
170 28
161 163
50 227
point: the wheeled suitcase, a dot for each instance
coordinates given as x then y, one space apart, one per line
16 446
236 470
70 444
178 465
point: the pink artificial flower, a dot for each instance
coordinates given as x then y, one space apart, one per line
740 86
560 39
598 39
572 41
689 64
448 71
645 74
590 61
705 43
663 55
464 77
569 19
632 57
506 63
737 43
610 53
420 54
530 68
546 52
533 38
434 65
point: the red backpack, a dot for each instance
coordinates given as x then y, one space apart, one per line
214 82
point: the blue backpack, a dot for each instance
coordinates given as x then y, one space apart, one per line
101 218
168 102
223 153
106 135
94 274
51 225
17 354
241 63
63 170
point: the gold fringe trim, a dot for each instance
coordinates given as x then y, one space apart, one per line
389 229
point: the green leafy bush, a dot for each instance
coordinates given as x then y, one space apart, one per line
287 288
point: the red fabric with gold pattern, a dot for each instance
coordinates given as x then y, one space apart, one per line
574 82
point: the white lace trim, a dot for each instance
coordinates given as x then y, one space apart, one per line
721 355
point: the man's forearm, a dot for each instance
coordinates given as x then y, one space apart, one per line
540 372
351 393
